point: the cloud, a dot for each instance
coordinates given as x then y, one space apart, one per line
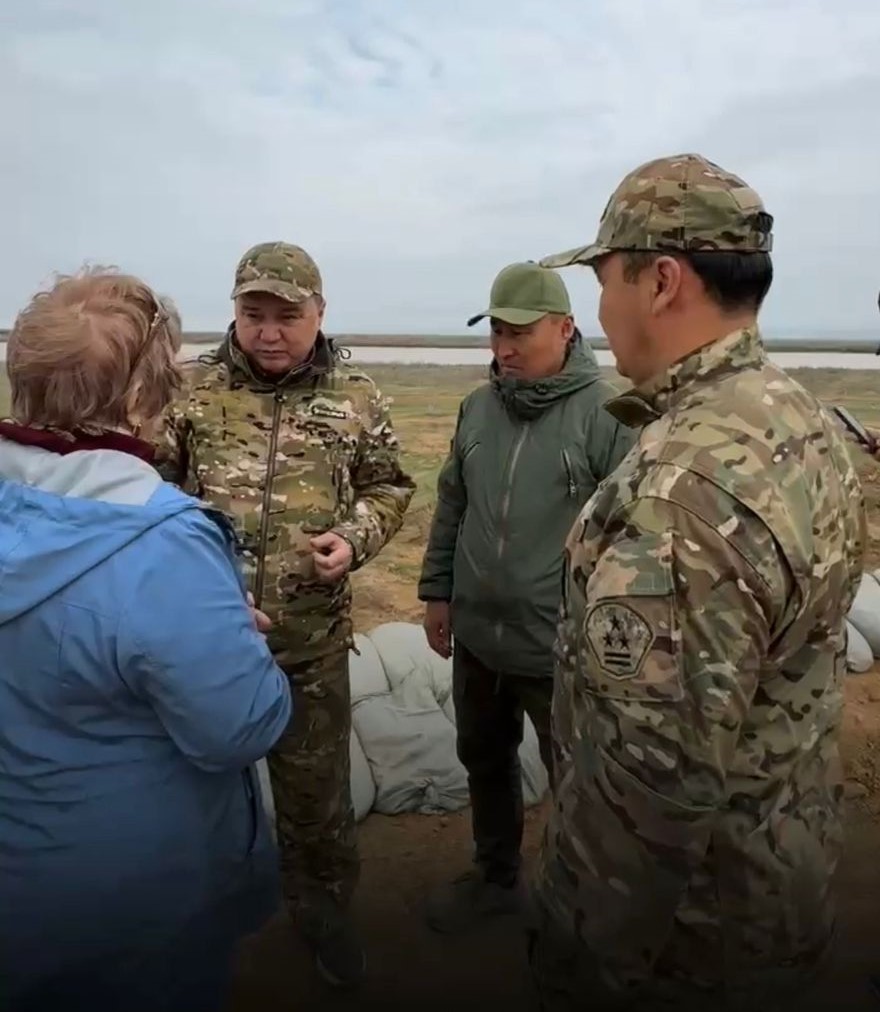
416 148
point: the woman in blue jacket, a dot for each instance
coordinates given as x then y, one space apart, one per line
135 689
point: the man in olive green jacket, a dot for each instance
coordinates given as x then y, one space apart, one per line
529 450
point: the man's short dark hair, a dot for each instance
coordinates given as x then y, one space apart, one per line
733 281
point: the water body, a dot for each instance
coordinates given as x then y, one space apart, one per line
482 357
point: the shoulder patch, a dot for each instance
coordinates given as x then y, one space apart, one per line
619 637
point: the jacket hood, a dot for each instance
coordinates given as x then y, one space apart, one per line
62 515
322 359
529 398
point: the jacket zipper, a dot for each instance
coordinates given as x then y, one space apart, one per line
572 484
505 504
267 499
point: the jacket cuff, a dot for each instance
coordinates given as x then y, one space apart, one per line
355 538
435 590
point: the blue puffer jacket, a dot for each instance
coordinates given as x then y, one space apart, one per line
135 695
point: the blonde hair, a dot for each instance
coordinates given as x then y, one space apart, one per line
97 350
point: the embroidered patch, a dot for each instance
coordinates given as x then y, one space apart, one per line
619 637
323 411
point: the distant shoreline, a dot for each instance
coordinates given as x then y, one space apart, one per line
453 341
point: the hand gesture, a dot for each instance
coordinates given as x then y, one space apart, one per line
261 619
333 557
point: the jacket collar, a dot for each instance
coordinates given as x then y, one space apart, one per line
321 360
56 441
528 399
736 352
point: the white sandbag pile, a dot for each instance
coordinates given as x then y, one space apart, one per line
859 656
402 742
863 625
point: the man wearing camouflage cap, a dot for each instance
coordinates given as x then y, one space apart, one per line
300 452
696 823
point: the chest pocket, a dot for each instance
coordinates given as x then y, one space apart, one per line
576 473
314 462
307 464
229 449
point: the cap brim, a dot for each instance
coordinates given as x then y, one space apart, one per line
292 293
581 255
515 317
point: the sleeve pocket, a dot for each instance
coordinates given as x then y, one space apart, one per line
631 638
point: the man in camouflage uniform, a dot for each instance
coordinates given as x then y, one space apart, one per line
300 452
696 823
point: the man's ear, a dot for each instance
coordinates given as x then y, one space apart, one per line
666 278
321 305
568 328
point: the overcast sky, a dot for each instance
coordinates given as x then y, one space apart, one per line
415 147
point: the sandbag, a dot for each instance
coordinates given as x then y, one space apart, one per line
859 656
403 647
448 708
534 774
365 670
412 757
402 744
363 789
865 612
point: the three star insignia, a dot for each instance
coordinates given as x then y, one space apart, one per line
619 637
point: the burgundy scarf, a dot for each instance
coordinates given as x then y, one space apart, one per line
64 443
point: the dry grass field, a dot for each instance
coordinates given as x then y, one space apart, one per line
404 857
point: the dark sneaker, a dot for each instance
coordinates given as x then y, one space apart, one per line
470 898
339 955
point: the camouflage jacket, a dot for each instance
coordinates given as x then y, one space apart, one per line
286 461
699 661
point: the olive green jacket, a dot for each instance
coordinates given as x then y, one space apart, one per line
525 458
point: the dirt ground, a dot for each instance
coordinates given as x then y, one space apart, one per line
404 857
410 967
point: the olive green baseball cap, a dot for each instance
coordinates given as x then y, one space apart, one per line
279 268
681 202
523 293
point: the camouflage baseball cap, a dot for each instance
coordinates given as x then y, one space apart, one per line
279 268
683 202
523 293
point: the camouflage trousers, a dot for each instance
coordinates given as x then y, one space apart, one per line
489 708
310 769
567 977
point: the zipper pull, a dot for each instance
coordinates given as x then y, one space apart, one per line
572 486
